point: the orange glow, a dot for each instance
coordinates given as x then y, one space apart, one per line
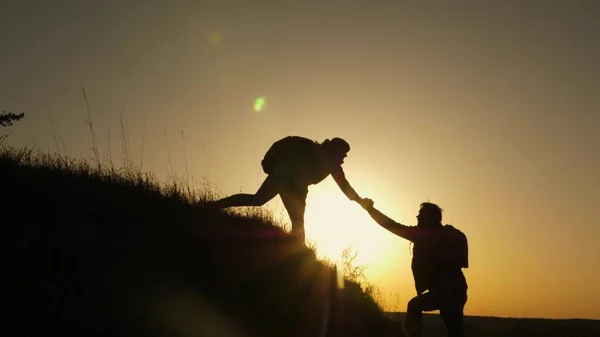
334 223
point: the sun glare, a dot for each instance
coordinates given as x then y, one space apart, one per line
334 223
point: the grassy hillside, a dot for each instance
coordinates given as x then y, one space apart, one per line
98 252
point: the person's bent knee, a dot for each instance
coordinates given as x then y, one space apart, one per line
413 318
414 305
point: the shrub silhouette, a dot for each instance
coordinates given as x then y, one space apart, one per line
96 252
8 118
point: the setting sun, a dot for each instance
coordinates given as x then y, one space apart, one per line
335 223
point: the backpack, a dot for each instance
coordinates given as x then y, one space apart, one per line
455 246
288 150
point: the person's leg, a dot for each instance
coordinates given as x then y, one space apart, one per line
414 312
267 191
452 312
295 204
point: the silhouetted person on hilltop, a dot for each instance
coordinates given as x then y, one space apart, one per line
439 254
292 164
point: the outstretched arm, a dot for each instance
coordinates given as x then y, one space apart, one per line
340 178
406 232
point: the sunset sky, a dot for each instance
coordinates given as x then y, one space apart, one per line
489 108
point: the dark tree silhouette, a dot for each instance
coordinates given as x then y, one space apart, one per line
8 118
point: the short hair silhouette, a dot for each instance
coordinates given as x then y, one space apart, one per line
432 210
337 145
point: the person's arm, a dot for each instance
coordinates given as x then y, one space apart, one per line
406 232
340 178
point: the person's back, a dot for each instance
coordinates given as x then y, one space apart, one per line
434 263
301 158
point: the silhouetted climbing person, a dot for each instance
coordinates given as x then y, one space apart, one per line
292 164
439 254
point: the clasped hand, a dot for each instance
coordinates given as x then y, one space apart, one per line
366 203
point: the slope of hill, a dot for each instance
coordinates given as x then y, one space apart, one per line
94 252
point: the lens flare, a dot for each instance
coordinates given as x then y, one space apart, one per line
259 103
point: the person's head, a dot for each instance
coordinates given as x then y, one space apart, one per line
337 149
430 214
